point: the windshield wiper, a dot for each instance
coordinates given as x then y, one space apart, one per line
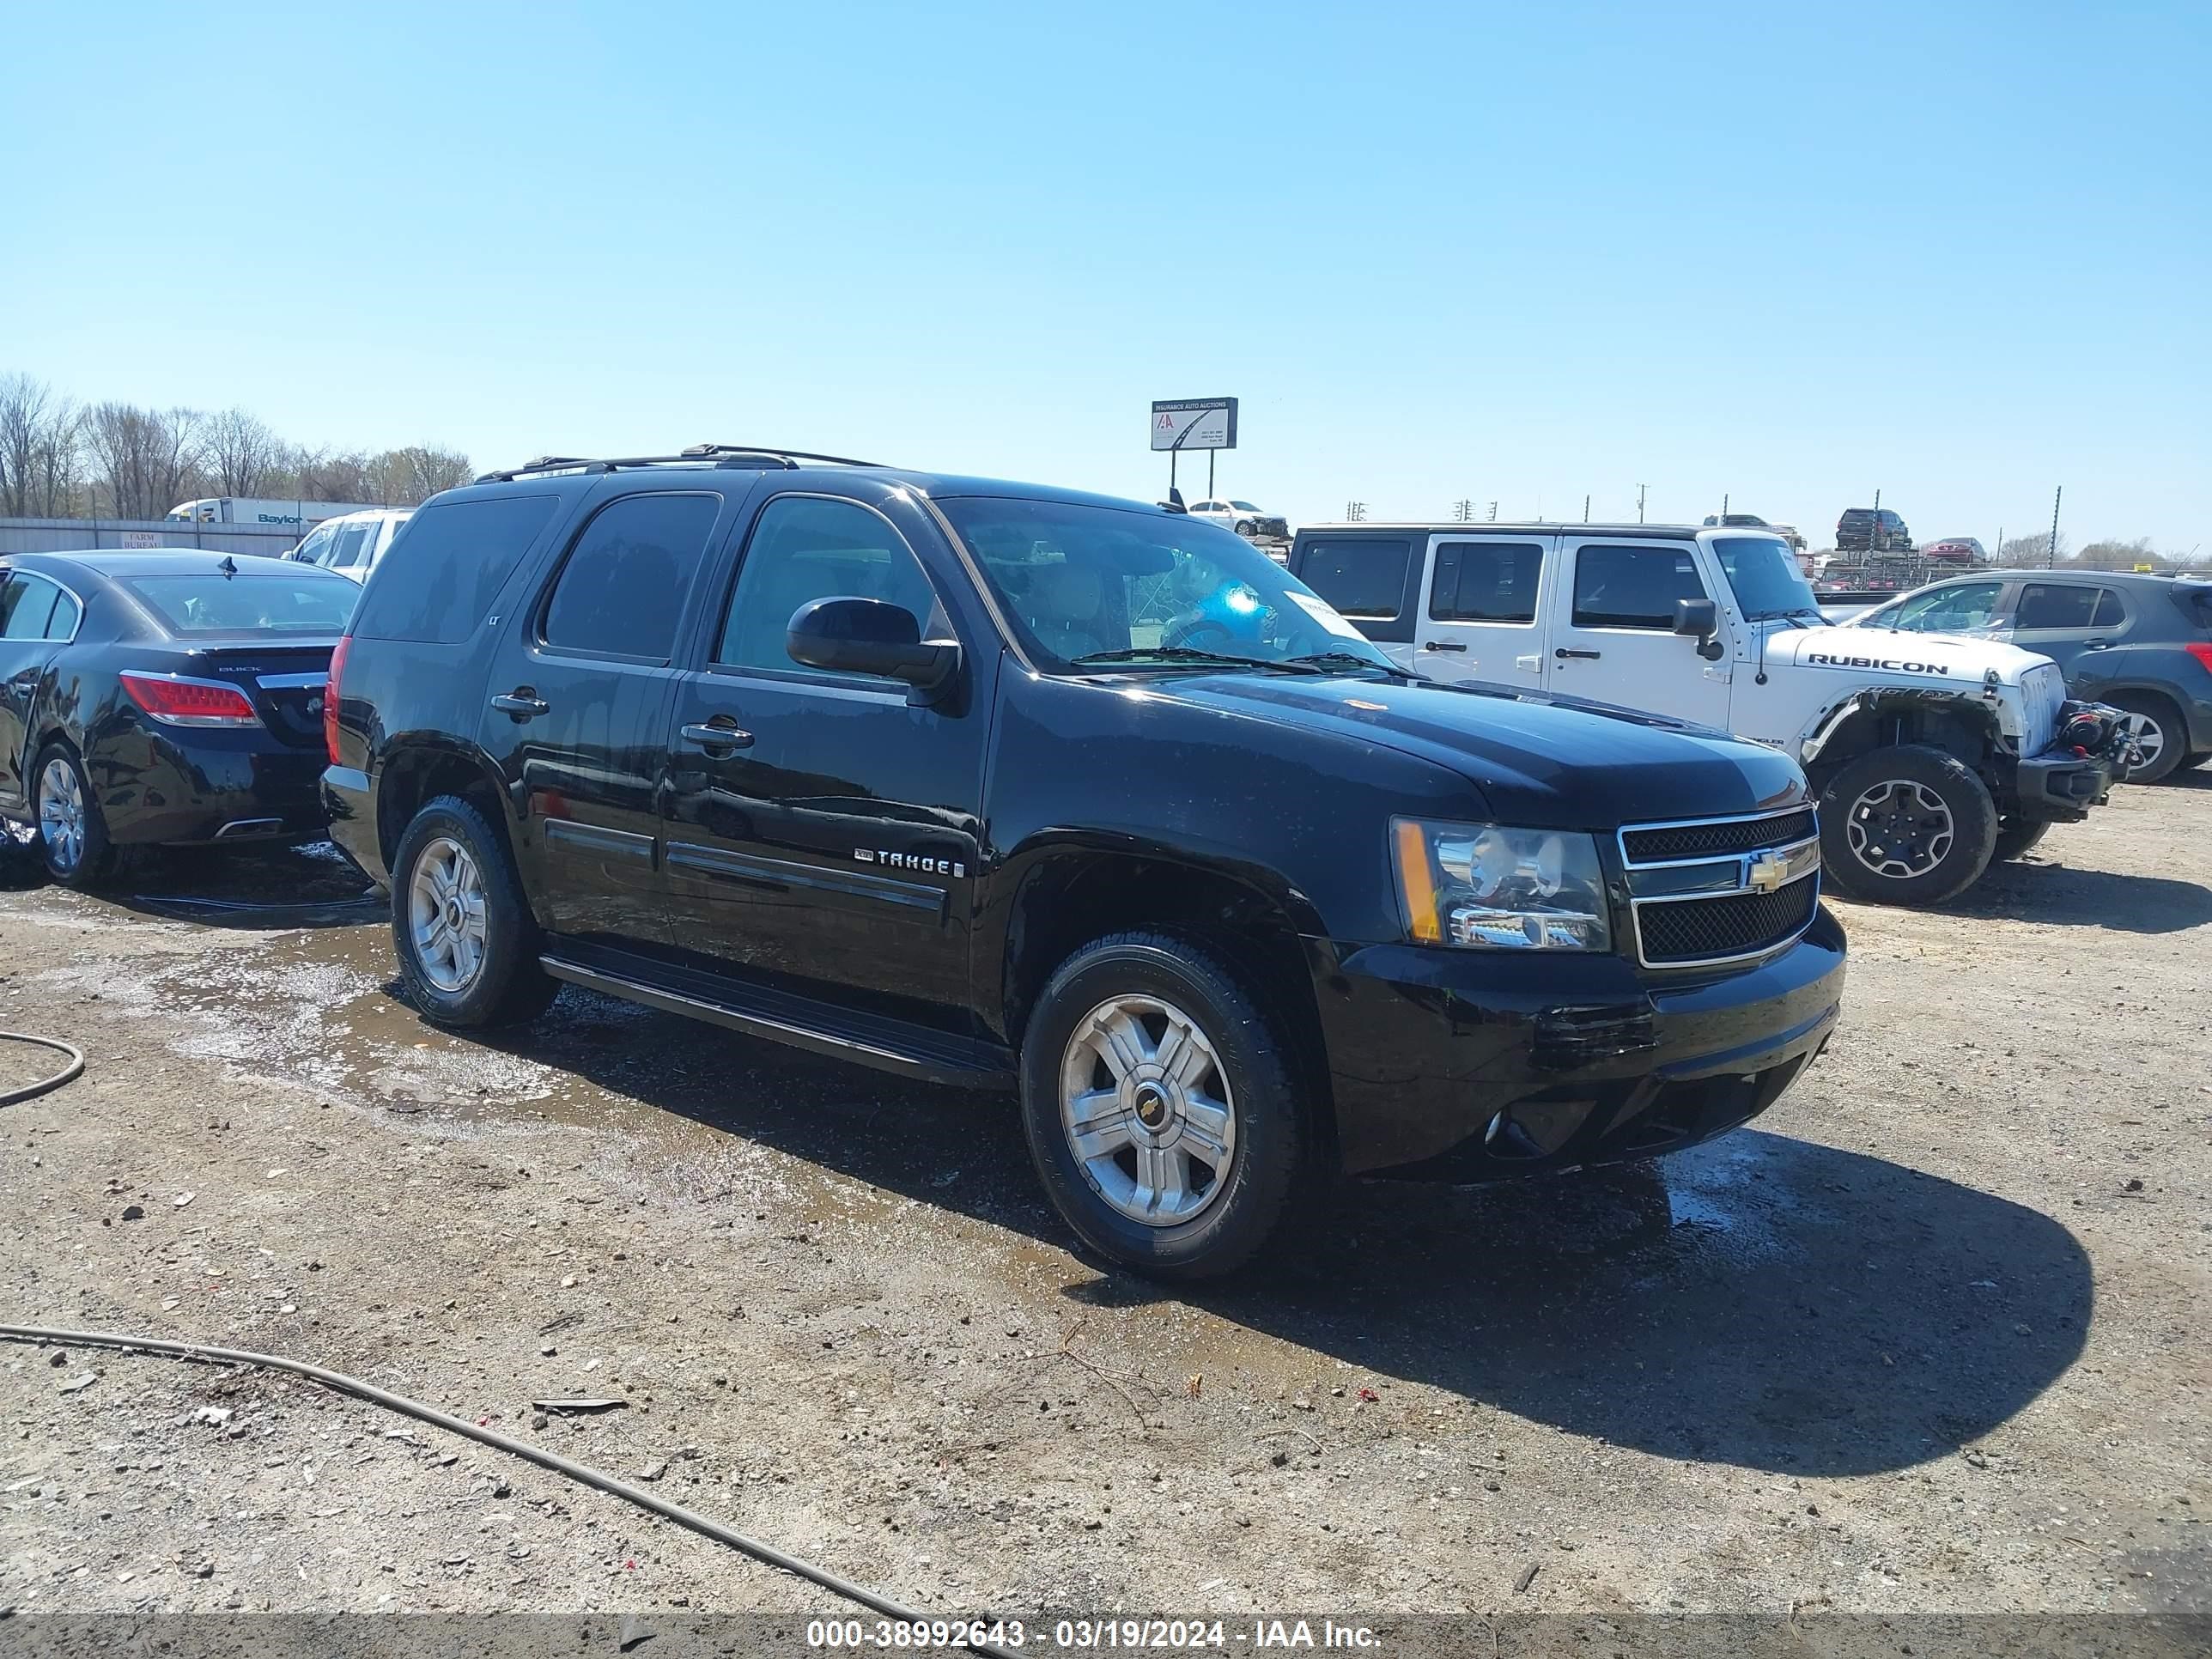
1335 661
1191 654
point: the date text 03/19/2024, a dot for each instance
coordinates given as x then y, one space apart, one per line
1107 1635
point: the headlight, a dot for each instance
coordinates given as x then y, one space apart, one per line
1488 887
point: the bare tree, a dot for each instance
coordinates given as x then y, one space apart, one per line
145 460
240 453
2113 553
318 476
38 448
2031 552
410 477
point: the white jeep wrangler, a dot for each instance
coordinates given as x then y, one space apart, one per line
1932 757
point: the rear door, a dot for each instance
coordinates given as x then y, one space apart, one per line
577 710
1613 629
1482 618
1373 578
36 617
2068 621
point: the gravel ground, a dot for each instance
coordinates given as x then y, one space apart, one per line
1929 1336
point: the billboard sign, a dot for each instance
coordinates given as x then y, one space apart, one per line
1195 423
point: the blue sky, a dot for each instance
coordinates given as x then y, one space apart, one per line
1961 252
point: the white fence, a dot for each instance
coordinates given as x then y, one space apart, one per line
75 535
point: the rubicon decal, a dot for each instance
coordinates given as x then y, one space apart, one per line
910 861
1894 665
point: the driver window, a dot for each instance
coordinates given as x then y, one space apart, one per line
807 548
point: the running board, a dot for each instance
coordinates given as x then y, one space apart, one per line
819 1028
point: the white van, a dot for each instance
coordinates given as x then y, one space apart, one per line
353 543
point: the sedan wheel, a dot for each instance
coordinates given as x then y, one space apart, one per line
445 915
61 816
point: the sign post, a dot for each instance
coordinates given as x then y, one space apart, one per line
1207 423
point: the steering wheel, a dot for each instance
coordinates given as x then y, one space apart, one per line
1198 633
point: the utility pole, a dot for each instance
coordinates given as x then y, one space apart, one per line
1493 512
2055 496
1463 510
1876 542
1724 506
1640 488
1354 512
1585 509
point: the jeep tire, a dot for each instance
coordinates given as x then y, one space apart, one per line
1906 825
2017 836
1163 1108
461 929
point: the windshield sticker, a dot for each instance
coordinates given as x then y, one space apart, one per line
1320 612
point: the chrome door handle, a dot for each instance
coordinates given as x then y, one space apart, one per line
1563 654
710 737
521 704
1442 645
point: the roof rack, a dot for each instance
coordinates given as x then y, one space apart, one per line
722 455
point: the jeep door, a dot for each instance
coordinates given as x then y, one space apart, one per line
821 829
1612 629
1482 615
1373 578
577 711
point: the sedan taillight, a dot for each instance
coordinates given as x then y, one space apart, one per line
330 700
189 702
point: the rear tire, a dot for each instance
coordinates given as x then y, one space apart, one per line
72 831
2158 729
2192 761
461 928
2017 836
1908 825
1137 1024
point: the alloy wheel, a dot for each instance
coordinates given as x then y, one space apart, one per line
2149 738
1899 829
61 814
1147 1110
445 915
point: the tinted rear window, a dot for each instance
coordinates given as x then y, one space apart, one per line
2195 603
439 578
1485 582
622 588
301 600
1359 577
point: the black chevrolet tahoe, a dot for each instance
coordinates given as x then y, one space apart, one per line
1017 788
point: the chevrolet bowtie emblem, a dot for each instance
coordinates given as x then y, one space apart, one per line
1765 871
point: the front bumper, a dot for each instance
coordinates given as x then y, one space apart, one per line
1469 1066
2060 785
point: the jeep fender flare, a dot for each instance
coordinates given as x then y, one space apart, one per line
1977 712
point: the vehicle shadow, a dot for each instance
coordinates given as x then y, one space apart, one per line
2071 897
265 889
1762 1301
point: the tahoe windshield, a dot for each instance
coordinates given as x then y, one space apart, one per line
298 601
1764 573
1105 587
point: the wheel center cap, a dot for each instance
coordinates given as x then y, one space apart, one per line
1151 1106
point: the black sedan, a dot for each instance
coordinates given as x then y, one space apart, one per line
163 697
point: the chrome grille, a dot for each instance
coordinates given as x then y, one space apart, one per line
1721 889
1710 930
1693 841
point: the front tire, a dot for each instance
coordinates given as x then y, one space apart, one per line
2158 732
72 831
1908 825
461 928
1163 1109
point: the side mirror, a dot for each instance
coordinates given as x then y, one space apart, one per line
869 636
1700 620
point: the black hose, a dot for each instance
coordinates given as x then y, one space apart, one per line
69 1073
560 1465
